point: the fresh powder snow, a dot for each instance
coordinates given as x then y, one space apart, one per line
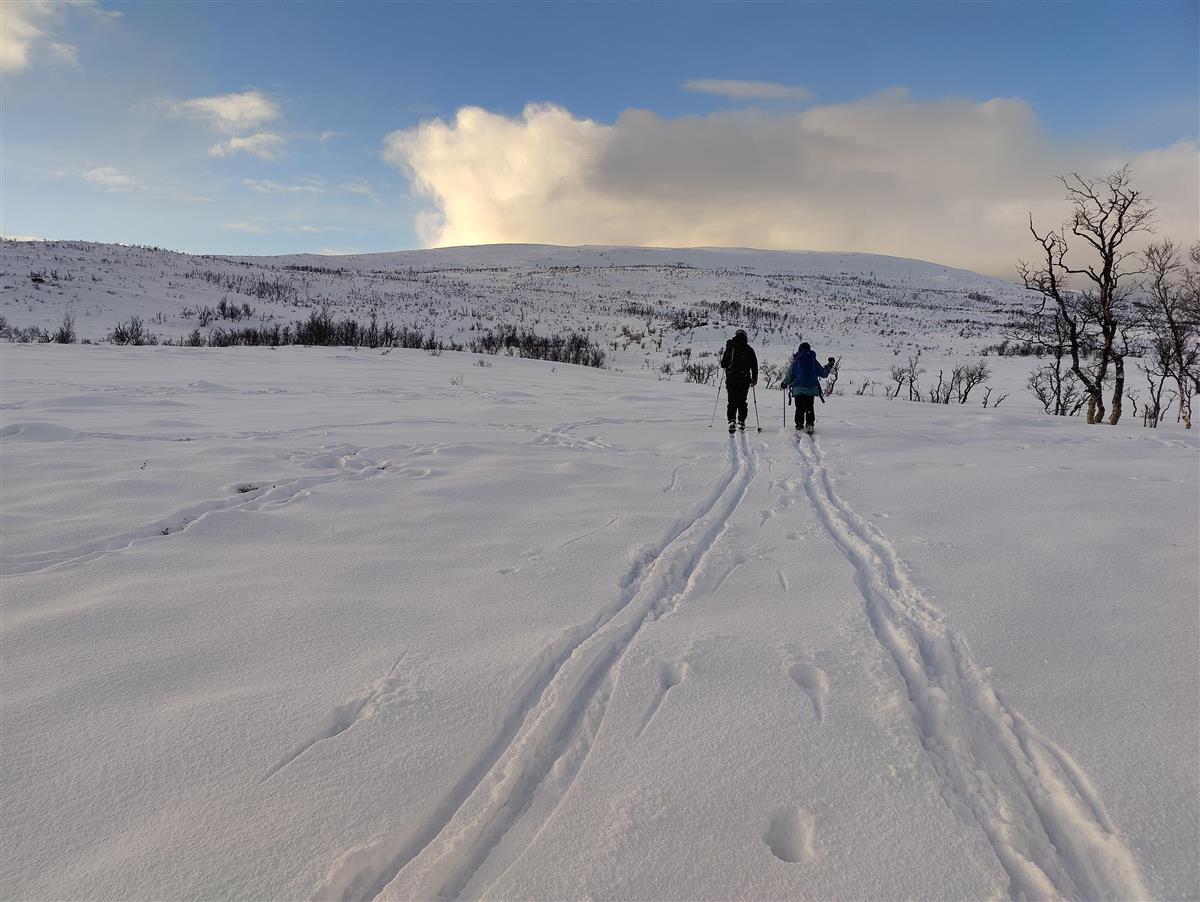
346 623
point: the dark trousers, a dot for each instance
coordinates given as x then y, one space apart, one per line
804 410
737 389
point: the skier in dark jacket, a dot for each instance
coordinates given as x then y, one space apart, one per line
803 378
741 371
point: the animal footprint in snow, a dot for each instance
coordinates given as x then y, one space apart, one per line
789 834
815 683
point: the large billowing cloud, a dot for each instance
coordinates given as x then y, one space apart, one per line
29 31
949 181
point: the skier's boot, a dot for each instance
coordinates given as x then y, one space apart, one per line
732 426
809 428
742 426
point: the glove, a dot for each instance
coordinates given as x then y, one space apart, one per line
832 361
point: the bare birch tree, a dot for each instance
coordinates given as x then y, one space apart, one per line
1105 212
1170 313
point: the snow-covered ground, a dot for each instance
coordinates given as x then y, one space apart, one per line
342 624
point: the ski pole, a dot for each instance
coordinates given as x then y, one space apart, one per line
786 398
756 419
717 400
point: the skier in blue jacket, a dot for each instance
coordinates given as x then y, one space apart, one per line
803 378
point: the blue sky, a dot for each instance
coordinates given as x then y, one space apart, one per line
104 137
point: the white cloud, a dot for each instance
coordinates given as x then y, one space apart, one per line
304 186
949 181
327 136
747 90
229 113
28 31
110 177
363 188
258 228
264 145
63 52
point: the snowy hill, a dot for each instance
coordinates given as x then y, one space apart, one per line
647 307
338 623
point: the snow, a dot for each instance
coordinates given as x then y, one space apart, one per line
330 623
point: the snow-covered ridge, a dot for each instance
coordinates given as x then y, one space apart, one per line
647 306
763 262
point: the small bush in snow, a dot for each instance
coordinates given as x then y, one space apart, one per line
699 373
65 333
573 347
130 332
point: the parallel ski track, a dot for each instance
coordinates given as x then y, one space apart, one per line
1037 808
550 724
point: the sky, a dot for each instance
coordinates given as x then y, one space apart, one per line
928 130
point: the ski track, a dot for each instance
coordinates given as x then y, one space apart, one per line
1037 808
346 469
550 724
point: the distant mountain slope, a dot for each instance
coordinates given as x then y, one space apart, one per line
650 308
809 263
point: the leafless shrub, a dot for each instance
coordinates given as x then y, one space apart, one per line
65 333
130 332
699 373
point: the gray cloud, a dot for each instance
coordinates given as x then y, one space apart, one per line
949 181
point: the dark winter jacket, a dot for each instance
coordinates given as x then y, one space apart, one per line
739 361
804 375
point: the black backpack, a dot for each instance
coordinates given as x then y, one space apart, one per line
739 364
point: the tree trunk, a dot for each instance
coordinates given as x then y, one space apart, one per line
1118 388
